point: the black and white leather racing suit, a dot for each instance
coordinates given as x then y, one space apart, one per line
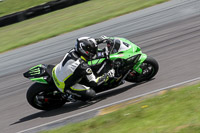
75 76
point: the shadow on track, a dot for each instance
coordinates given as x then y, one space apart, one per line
77 105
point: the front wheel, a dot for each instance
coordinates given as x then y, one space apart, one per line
41 97
149 70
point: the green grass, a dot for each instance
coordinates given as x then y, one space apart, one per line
66 20
12 6
173 112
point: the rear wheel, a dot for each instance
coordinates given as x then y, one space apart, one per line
41 97
149 67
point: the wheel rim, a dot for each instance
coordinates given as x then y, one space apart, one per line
147 69
38 99
147 72
42 100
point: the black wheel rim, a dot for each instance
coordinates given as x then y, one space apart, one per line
41 100
147 71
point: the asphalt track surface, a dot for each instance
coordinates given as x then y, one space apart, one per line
169 32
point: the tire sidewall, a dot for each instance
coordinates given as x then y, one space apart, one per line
34 90
155 66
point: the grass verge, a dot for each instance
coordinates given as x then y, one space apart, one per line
12 6
176 111
66 20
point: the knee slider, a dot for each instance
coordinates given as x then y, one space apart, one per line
91 93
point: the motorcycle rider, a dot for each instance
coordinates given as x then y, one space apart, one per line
74 76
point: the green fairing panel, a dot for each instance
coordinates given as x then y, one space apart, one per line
95 62
134 50
137 66
39 80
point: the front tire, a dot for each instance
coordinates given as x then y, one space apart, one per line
149 67
36 95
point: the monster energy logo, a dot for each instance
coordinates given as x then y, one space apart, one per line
35 70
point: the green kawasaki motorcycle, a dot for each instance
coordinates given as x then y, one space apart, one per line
130 65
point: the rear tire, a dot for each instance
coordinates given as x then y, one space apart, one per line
37 90
150 68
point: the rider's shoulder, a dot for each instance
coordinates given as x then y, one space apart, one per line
73 54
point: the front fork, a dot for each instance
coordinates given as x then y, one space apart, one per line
136 67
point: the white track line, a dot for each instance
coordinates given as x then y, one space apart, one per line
151 92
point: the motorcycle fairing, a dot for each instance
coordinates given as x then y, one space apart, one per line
134 50
37 74
138 64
